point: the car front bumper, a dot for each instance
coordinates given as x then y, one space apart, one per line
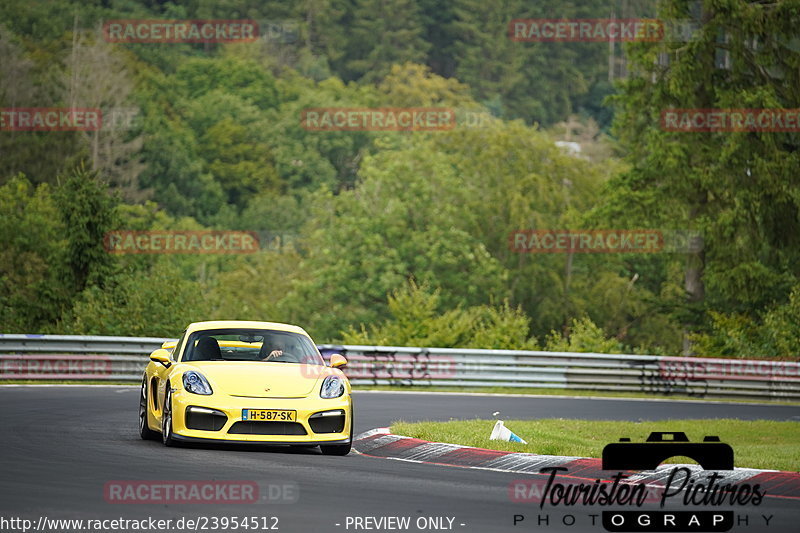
268 432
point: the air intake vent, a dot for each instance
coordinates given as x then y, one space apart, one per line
205 419
327 424
252 427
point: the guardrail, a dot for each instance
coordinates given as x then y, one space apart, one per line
43 357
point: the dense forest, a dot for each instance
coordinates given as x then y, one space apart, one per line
402 238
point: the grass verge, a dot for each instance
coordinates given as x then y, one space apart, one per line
762 444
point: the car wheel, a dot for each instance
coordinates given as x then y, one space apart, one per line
166 420
339 449
144 430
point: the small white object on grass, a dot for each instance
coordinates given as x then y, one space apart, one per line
501 432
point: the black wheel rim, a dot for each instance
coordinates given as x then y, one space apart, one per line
166 428
142 409
142 414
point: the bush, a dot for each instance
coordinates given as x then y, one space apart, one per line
417 321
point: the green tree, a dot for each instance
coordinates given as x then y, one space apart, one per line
39 155
308 160
234 143
256 287
775 334
156 302
740 189
397 224
412 85
584 336
383 33
87 210
417 319
537 81
32 250
173 169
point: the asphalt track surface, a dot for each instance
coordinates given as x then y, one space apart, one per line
59 446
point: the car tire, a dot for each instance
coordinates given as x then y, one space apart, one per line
166 420
339 449
144 430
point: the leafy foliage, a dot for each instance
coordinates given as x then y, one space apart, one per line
773 335
402 237
87 210
32 248
417 319
585 336
134 305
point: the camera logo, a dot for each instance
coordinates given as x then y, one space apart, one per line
711 454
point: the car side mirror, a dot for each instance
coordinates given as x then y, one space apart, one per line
161 356
169 345
338 360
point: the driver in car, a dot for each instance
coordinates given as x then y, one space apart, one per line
277 351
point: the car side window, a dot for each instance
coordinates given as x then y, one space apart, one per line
176 353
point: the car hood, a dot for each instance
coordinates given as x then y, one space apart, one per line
261 379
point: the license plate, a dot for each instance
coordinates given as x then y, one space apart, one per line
279 415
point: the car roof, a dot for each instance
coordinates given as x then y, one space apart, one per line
249 324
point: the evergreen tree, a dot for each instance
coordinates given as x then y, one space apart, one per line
87 209
384 33
740 190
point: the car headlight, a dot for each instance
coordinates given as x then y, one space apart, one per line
194 382
332 387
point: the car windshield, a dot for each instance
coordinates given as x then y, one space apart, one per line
258 345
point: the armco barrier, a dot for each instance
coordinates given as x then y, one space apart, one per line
74 357
123 358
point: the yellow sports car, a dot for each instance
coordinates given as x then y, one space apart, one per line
241 381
